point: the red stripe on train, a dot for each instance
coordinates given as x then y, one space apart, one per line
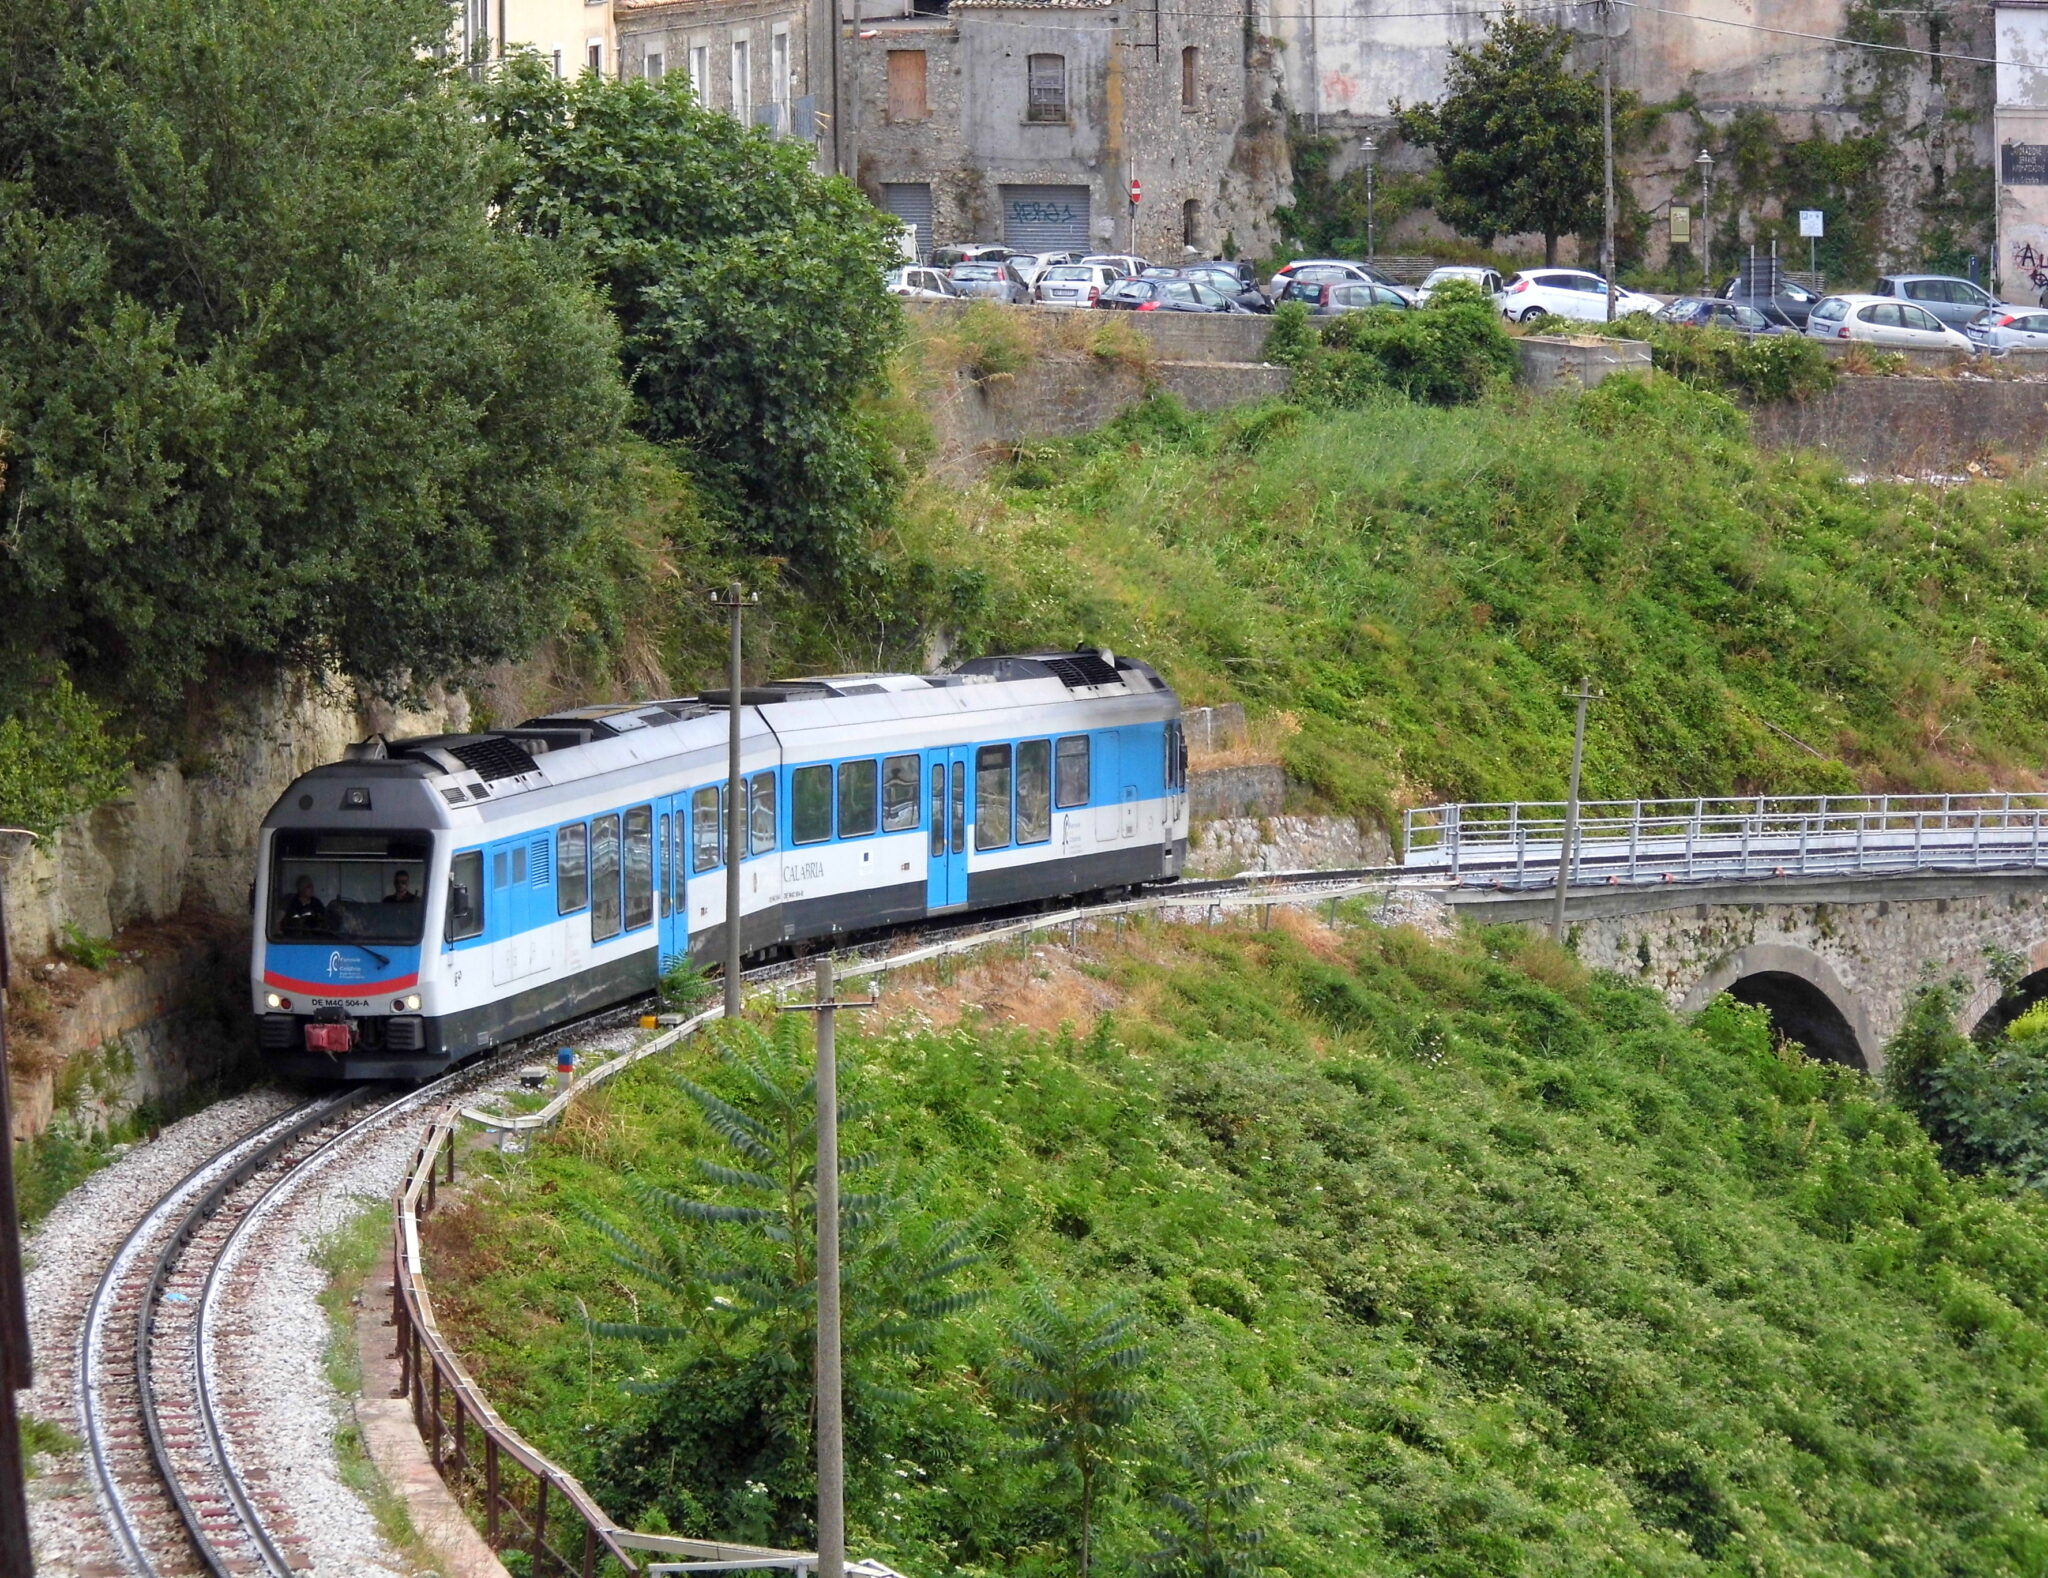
397 983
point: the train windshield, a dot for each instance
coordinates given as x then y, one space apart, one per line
348 887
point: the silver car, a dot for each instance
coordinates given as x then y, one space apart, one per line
2002 329
989 281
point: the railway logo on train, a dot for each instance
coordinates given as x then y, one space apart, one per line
424 900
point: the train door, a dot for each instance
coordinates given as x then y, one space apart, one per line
700 877
671 857
946 808
1109 780
504 910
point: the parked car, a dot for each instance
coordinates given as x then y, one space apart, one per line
2002 329
1954 301
1331 271
969 252
1236 270
1486 279
1121 264
1074 284
1883 321
1032 265
1343 295
989 282
1708 312
1568 293
1789 306
920 284
1165 295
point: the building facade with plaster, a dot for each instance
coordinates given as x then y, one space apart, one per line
2020 132
750 59
572 35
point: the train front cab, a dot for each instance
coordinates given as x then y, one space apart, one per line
344 917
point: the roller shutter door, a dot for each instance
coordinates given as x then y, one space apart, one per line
1045 218
911 202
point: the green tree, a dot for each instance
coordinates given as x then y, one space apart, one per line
1073 1372
271 385
1215 1487
1516 136
749 288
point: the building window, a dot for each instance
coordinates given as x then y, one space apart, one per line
906 85
1190 77
742 82
700 72
778 71
653 66
558 62
595 59
1048 88
1191 223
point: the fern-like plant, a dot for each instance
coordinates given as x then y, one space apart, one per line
1209 1531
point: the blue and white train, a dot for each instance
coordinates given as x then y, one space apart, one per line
427 899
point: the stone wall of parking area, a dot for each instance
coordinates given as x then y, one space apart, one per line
1914 427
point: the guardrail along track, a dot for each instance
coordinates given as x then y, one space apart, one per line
1518 845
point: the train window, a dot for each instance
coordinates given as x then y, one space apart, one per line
938 809
572 869
857 815
500 869
760 813
639 866
899 794
604 877
519 866
1034 791
363 887
1070 785
707 829
668 862
466 896
992 797
1176 758
810 805
957 820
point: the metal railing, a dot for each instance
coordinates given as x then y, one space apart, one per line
1518 844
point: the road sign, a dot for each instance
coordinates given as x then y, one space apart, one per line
1134 193
1811 222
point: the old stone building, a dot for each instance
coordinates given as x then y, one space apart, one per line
751 59
1027 121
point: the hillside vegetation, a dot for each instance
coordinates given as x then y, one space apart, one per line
1416 587
1428 1258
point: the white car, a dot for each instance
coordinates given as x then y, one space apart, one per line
1884 321
1074 284
919 284
1032 265
1567 293
1121 263
1486 279
2002 329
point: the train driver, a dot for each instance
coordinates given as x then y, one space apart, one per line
303 911
402 890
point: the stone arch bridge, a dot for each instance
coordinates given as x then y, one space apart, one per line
1829 912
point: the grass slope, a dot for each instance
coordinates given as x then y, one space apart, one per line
1417 586
1508 1270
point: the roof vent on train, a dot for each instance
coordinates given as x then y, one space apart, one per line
768 695
489 756
1081 669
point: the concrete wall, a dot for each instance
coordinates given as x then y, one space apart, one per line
1551 362
1912 426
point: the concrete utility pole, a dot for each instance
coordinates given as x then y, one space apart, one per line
1567 846
831 1405
1607 140
734 601
839 161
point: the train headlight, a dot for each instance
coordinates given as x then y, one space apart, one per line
275 1001
408 1004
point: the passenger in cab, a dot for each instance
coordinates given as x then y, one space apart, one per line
303 911
402 891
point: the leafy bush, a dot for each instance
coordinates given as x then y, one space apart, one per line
82 948
685 986
59 756
1549 1283
1757 366
1984 1103
1446 353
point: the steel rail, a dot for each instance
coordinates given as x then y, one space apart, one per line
318 1115
101 1313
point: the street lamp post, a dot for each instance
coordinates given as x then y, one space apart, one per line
1371 151
1705 165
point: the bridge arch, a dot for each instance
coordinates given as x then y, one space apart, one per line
1990 1010
1807 1001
